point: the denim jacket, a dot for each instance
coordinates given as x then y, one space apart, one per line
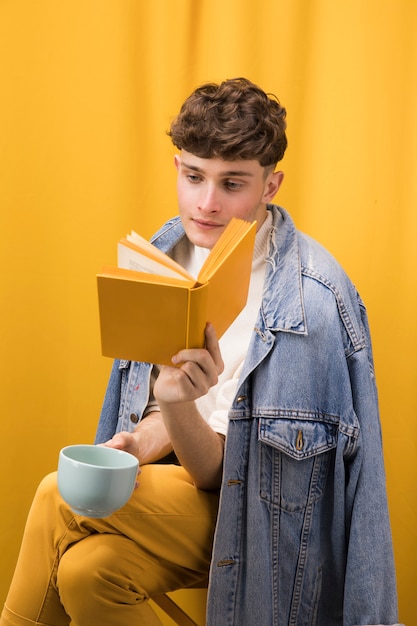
303 535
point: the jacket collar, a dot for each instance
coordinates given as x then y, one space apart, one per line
283 302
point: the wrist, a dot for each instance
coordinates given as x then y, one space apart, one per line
178 410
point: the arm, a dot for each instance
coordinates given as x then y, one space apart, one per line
179 426
197 446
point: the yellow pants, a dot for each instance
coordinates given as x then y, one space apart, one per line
101 572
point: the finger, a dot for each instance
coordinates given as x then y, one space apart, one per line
200 356
199 375
117 441
137 483
195 355
212 346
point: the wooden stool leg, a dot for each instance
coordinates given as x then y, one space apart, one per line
174 611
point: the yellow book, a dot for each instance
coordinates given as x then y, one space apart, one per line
150 307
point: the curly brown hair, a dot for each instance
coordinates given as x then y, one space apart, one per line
232 120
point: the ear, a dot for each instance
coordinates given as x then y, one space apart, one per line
177 161
272 184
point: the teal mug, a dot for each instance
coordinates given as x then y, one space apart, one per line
94 480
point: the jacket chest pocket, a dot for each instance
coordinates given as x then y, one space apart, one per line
295 457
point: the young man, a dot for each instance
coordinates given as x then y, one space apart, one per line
302 533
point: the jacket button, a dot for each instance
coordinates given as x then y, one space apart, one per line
225 562
134 418
240 398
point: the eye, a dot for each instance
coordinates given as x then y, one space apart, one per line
232 185
193 178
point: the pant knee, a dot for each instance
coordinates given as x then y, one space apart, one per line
48 487
89 575
98 586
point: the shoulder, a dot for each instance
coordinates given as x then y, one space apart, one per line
294 246
326 288
315 258
318 264
325 281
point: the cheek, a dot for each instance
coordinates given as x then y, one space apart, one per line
182 194
248 209
187 194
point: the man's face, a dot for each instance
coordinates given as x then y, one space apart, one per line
212 191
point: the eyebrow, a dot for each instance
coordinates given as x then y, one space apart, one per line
226 173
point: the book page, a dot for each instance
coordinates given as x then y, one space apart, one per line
141 256
235 232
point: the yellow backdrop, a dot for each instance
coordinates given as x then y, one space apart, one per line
88 89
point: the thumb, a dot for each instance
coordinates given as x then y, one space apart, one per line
118 441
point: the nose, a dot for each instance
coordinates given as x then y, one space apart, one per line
208 201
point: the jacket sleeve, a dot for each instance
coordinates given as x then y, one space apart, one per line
110 410
370 587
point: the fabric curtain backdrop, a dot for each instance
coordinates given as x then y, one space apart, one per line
88 89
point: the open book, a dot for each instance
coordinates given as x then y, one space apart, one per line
150 307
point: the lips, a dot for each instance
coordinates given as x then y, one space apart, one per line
206 224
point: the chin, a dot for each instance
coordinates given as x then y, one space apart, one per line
202 242
201 239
